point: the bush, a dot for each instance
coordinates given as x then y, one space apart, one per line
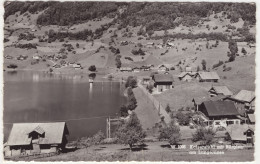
92 68
205 135
13 66
183 119
131 82
227 69
218 64
170 133
129 58
168 109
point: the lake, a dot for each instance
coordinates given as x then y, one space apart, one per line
42 97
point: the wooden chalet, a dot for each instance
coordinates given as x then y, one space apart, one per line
187 76
244 99
146 80
163 68
126 69
241 133
36 138
207 76
219 113
163 82
220 90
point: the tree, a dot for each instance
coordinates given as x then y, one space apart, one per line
183 119
77 45
168 109
170 133
130 131
198 68
131 82
203 134
118 61
232 45
13 66
131 100
204 63
243 51
150 87
123 111
92 68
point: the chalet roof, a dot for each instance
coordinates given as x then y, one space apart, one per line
53 133
125 68
182 74
220 108
237 132
245 96
222 90
208 75
251 117
163 78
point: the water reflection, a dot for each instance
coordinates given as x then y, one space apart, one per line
41 97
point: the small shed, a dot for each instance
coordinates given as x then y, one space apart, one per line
241 133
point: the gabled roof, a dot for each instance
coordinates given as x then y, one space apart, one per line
236 132
163 78
245 96
220 108
222 90
181 75
53 133
208 75
251 117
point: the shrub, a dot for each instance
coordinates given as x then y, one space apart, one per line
227 69
13 66
183 119
218 64
170 133
131 82
168 109
92 68
205 135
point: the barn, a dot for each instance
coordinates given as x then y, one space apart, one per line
36 138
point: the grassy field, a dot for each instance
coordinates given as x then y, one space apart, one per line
151 151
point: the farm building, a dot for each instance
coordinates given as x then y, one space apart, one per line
219 113
136 69
207 76
36 138
244 99
163 68
126 69
76 66
241 133
146 80
186 76
251 118
220 90
163 82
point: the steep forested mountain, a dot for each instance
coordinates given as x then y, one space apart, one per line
154 16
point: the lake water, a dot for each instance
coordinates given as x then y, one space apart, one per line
41 97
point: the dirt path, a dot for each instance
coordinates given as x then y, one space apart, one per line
145 110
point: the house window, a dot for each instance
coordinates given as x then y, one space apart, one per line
167 86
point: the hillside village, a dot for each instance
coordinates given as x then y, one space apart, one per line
197 72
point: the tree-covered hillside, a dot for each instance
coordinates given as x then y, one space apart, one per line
152 15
